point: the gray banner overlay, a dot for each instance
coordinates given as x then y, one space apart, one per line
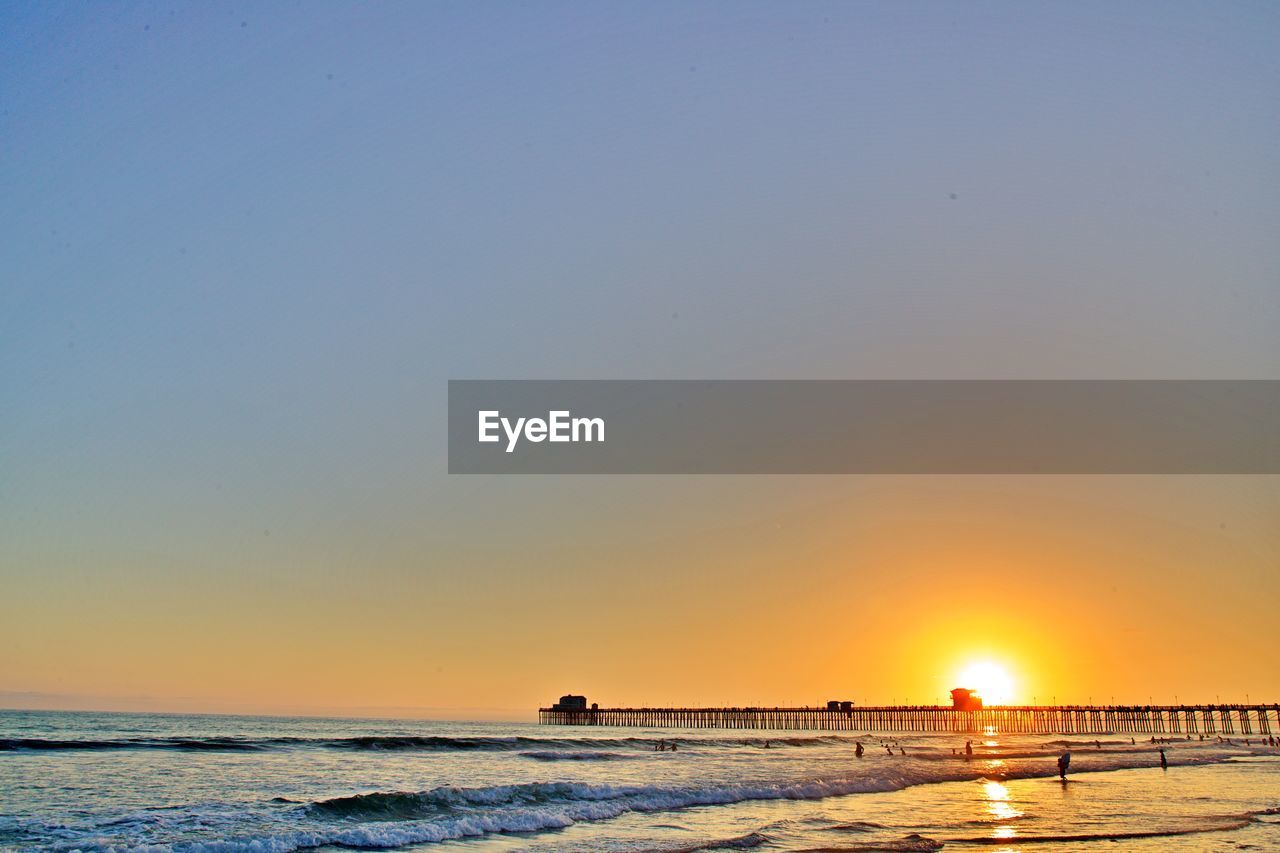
865 427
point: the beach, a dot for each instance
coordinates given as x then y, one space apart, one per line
74 780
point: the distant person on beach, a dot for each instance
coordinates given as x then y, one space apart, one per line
857 750
1164 762
1064 761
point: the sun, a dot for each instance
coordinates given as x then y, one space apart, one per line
989 680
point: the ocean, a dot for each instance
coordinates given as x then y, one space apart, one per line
99 781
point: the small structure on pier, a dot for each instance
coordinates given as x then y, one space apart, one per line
571 702
964 699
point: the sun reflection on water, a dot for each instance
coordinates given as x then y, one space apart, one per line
1000 809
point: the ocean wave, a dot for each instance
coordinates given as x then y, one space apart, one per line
1200 825
858 826
739 842
549 805
612 800
913 843
553 755
218 744
418 743
1007 754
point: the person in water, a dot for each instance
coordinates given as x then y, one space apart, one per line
968 749
1164 762
889 749
857 750
1064 761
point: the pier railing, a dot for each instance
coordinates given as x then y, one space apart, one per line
1021 719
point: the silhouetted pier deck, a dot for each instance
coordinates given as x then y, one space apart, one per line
1022 719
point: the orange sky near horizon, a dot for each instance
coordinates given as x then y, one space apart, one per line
678 591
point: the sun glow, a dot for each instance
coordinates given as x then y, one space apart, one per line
989 680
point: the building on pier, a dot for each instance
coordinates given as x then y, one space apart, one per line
964 699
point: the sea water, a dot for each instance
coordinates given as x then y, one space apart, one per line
117 781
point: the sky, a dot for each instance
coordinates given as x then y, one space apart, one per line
246 245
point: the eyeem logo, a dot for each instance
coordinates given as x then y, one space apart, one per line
559 426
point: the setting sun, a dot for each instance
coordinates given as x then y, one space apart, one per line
989 680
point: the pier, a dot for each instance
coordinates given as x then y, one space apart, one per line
1182 720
